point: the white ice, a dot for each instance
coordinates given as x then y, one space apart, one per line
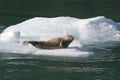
97 31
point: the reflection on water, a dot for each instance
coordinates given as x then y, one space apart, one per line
25 69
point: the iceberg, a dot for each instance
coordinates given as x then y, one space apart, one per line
96 32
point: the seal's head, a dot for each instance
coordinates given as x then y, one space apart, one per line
68 38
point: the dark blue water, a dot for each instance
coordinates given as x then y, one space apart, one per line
58 68
104 65
31 67
15 11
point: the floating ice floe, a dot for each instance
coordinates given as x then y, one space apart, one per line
95 32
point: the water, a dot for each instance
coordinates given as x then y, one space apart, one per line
103 65
17 11
57 68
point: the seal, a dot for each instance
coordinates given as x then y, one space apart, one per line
60 42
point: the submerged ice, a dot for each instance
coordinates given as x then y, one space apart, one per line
97 31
